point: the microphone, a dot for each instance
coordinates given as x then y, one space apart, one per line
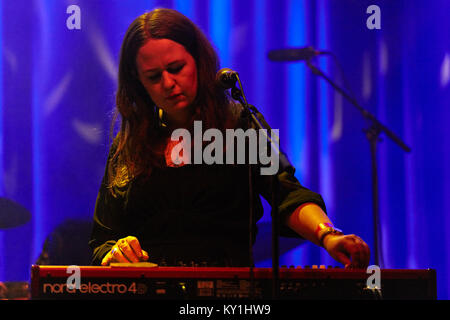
294 54
226 78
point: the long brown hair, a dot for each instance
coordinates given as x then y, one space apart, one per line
140 141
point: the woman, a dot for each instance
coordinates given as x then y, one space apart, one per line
149 208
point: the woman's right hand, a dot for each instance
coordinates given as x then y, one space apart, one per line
125 250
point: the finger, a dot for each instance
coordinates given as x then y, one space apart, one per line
356 260
117 255
357 257
106 259
135 246
127 251
343 258
145 255
364 252
354 249
366 255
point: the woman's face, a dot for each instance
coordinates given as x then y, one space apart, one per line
169 74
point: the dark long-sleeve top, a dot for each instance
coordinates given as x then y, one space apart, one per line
193 213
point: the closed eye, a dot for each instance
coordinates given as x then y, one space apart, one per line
175 69
154 77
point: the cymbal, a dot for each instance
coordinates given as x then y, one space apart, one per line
12 214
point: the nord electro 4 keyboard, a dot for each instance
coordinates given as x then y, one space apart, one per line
143 282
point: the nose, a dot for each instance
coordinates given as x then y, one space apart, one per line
168 82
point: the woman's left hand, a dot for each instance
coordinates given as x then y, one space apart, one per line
350 250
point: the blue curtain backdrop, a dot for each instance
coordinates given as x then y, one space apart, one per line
57 90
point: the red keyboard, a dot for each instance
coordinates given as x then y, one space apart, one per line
147 281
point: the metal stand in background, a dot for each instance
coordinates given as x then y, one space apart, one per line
372 135
284 165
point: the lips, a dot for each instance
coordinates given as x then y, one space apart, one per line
173 96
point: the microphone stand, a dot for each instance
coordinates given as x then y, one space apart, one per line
284 165
372 135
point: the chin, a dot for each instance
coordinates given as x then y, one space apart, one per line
182 105
179 107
